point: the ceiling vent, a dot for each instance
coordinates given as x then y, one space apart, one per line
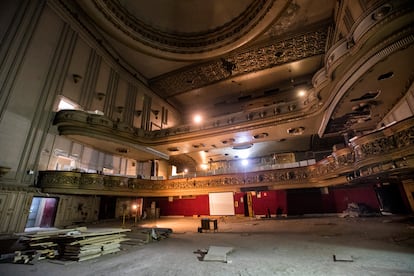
296 130
261 135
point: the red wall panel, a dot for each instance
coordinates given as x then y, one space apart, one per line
239 206
263 201
343 196
335 201
183 207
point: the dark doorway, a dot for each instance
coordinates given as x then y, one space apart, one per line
248 205
107 207
42 212
304 201
390 199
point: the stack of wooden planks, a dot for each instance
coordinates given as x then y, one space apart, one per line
77 244
91 244
39 245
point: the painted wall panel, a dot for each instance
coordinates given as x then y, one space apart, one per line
72 88
34 70
101 87
8 11
46 153
75 209
197 205
12 140
264 202
12 211
120 100
364 195
221 204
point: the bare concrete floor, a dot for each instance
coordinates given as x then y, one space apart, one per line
300 246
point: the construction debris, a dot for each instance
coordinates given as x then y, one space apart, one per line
156 234
342 258
355 210
76 244
214 254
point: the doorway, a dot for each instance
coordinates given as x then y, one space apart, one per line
390 199
42 212
248 205
107 207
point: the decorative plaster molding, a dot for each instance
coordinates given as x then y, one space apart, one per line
396 42
255 59
133 31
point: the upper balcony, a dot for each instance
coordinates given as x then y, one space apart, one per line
385 153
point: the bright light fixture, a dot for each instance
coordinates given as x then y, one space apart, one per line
245 162
301 93
197 119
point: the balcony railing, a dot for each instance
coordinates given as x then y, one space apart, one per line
385 152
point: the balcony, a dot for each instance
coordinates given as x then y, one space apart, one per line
385 153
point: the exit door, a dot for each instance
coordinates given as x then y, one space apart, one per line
42 212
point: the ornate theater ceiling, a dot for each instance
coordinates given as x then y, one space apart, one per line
249 58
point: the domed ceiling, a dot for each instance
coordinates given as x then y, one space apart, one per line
218 57
184 30
239 60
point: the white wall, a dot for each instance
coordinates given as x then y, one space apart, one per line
402 110
40 51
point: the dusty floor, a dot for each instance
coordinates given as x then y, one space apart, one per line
300 246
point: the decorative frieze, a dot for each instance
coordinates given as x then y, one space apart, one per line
91 181
115 182
59 179
384 142
252 60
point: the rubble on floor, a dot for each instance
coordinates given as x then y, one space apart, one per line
214 254
76 244
355 210
342 258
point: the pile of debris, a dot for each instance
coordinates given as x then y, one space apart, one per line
76 244
355 210
88 245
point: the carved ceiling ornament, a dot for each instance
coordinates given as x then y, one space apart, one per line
118 21
273 54
288 20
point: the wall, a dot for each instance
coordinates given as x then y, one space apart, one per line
41 51
292 202
343 196
403 109
76 209
14 210
262 201
197 205
271 200
15 206
124 206
59 149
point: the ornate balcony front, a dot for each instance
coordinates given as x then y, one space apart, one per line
388 152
